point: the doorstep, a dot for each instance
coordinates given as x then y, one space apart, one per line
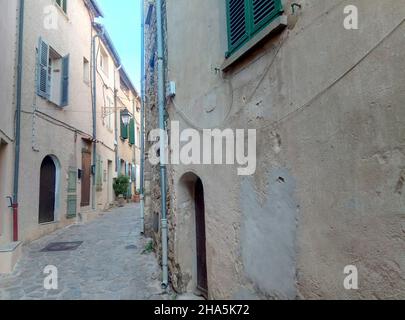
9 256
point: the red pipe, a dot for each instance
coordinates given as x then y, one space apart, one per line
15 222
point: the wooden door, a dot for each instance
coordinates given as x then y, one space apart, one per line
202 280
86 178
47 191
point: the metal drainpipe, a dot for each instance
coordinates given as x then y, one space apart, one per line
142 169
162 127
94 109
117 121
18 120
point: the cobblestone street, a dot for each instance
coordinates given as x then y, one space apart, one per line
110 264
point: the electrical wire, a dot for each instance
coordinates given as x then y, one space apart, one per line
341 77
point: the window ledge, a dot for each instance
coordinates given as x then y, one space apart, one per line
275 26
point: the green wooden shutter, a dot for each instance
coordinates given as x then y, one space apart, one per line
132 131
247 17
72 181
71 209
71 206
237 11
99 174
65 82
264 11
65 6
42 69
124 129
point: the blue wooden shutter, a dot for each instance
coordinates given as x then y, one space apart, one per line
65 82
42 69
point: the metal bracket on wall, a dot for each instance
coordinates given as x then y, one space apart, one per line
294 5
10 199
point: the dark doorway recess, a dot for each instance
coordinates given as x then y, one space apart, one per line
86 178
47 190
202 279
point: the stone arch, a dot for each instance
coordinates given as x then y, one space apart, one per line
49 189
191 235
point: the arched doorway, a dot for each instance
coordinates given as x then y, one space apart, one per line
191 235
47 191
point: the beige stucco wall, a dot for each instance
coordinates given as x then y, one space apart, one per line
8 38
62 132
327 104
106 149
42 136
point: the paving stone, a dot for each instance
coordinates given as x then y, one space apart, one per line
102 268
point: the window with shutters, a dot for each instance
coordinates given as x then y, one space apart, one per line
248 17
52 75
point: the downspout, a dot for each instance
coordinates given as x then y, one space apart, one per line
142 169
117 122
18 120
162 127
94 109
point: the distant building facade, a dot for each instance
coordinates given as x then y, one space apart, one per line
68 159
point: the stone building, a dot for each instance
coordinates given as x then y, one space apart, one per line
326 101
68 158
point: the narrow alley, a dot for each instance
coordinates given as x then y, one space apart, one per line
111 263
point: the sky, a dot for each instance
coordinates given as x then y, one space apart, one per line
122 19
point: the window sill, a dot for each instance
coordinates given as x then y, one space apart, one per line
44 224
275 26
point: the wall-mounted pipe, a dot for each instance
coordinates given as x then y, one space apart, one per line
94 110
18 119
117 121
162 127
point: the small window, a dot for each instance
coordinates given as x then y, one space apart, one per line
86 71
248 17
109 113
104 61
53 75
62 4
